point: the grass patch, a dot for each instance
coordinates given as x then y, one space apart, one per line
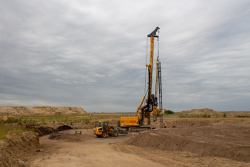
194 116
86 121
12 120
171 115
64 118
242 116
5 129
224 115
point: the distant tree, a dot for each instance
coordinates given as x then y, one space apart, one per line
168 112
165 112
225 115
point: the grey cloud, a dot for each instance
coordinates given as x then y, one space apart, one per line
91 54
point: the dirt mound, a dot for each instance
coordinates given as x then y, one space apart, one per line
187 123
216 141
200 111
43 110
16 150
68 137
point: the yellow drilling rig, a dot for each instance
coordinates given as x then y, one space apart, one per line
151 102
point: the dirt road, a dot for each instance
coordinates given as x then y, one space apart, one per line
90 151
87 150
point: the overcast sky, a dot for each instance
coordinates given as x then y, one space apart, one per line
92 54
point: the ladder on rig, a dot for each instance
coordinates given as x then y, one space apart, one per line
160 95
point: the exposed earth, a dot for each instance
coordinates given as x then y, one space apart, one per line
17 150
41 110
185 142
213 145
200 111
229 141
86 150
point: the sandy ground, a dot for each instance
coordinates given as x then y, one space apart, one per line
88 150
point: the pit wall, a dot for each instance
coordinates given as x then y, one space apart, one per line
17 150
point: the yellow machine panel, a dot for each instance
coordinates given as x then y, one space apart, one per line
98 130
129 121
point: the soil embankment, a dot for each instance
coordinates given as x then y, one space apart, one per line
227 141
41 110
17 150
200 111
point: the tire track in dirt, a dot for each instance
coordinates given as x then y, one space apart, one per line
92 152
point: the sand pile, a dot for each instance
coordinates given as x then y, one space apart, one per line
200 111
216 141
17 150
43 110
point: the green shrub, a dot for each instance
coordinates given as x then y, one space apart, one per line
158 112
168 112
12 120
1 121
242 116
86 121
206 116
6 129
224 115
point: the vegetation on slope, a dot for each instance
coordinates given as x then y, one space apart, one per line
5 129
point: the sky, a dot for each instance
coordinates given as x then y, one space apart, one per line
92 54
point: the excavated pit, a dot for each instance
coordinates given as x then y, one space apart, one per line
64 127
47 129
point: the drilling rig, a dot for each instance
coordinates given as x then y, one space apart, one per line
151 101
